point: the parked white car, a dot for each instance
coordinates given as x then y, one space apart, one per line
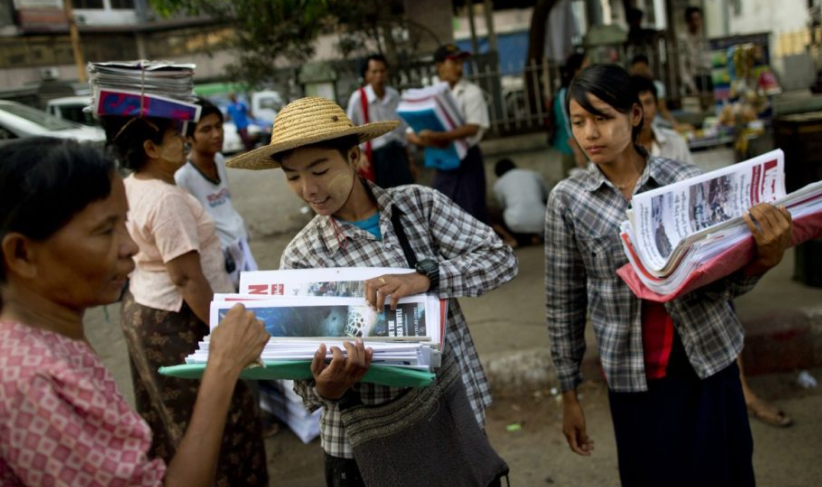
72 108
18 121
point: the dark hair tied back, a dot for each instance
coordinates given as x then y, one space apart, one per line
127 135
45 181
611 84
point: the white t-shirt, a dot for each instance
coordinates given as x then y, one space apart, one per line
670 145
472 106
215 198
522 194
379 110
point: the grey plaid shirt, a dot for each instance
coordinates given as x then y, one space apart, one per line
582 254
472 260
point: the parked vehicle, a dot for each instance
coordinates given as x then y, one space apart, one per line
18 121
72 108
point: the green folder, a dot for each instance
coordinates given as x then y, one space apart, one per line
301 370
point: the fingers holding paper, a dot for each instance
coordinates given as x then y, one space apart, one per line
239 339
772 229
332 380
397 286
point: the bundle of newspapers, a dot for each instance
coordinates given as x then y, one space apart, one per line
688 234
302 309
143 88
434 108
277 397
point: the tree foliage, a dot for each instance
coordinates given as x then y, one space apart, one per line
267 32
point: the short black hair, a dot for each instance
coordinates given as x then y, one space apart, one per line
640 58
340 144
372 57
611 84
127 135
690 11
644 84
45 181
208 109
572 64
503 166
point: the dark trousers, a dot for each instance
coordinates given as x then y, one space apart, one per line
465 185
343 472
391 167
684 431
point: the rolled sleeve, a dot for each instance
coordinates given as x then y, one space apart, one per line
474 259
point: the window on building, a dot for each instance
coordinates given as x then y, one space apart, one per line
122 4
87 4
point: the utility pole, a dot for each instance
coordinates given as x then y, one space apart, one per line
75 42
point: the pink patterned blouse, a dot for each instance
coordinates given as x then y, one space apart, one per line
62 420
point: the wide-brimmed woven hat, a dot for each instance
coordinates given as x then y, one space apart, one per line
304 122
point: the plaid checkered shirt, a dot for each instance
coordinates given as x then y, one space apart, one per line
582 254
472 260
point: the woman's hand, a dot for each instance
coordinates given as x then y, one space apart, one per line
334 379
397 286
573 425
239 339
772 229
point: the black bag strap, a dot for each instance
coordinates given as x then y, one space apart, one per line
400 231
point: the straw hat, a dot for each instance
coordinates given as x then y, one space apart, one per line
304 122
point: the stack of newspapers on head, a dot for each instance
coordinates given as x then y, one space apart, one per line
143 88
434 108
688 234
304 308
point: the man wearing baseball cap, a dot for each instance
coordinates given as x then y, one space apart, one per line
465 185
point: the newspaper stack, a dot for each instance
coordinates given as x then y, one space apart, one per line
434 108
279 399
143 88
302 309
675 233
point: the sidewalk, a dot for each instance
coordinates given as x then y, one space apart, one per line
782 319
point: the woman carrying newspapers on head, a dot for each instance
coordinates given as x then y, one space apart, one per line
661 361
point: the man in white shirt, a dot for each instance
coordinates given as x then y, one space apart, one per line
694 60
376 102
205 177
521 195
465 185
658 141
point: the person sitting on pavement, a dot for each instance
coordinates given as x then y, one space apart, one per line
660 361
387 155
204 176
359 224
521 195
65 249
465 185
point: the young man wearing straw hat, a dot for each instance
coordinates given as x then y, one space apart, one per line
375 435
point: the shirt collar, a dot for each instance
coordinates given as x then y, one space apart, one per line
595 178
333 233
659 135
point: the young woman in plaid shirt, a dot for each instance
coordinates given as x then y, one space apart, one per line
676 402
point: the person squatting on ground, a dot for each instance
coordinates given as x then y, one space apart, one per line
521 196
465 185
675 397
204 176
65 248
165 311
375 435
377 102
